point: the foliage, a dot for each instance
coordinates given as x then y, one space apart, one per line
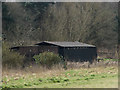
93 23
11 59
47 59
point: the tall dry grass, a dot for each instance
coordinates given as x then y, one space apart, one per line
77 65
40 71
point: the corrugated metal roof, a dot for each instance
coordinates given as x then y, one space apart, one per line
66 44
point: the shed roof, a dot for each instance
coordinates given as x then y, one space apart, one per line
65 44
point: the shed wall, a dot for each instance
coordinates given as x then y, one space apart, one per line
79 54
30 51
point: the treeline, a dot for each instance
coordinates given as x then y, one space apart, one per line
93 23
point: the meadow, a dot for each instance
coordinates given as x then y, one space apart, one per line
98 75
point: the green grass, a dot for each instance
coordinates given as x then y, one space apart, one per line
78 78
108 59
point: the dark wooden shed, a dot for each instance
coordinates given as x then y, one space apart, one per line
71 51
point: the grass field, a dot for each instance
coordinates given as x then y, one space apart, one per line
99 77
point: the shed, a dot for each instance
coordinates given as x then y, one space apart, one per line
71 51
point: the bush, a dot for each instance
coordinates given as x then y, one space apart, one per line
47 59
11 59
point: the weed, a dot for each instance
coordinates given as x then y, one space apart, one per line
86 78
93 75
36 83
103 76
40 79
57 79
28 84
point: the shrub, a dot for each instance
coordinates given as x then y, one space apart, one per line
11 59
47 59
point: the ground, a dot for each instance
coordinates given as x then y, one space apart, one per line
98 77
